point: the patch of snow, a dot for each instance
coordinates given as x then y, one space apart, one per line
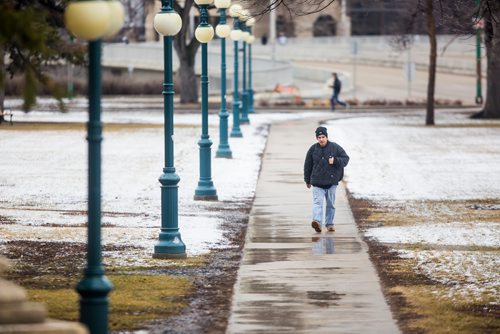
449 234
398 158
468 274
43 178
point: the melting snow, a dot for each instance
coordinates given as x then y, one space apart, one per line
396 158
43 178
451 234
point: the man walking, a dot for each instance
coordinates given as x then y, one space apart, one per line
323 169
337 86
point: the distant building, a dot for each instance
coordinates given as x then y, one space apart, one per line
331 21
328 22
340 18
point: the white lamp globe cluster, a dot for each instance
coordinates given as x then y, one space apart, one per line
238 13
251 38
244 16
204 33
222 30
91 20
234 12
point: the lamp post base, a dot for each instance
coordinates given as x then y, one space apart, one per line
244 108
93 290
236 134
205 197
205 192
170 246
224 152
169 255
250 102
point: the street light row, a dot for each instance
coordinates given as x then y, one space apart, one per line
92 20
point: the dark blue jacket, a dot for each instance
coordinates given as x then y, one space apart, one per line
337 86
317 170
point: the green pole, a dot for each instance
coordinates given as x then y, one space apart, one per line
94 287
250 84
479 95
244 92
223 151
70 88
170 245
205 189
236 131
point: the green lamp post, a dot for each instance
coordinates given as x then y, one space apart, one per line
244 92
234 12
223 30
168 23
479 94
204 33
250 22
92 20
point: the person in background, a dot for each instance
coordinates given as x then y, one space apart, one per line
323 169
337 87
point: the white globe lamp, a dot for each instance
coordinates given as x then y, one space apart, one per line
167 23
222 4
223 30
87 20
204 34
117 17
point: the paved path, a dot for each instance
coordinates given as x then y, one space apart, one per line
390 83
292 279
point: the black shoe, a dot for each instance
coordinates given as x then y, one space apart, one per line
316 226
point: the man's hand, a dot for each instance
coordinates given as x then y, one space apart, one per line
308 185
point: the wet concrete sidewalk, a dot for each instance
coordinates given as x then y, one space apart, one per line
295 280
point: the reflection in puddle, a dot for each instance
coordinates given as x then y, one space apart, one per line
323 245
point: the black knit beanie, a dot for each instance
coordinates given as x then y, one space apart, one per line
321 131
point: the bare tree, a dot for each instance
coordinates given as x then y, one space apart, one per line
490 12
186 46
455 15
431 84
435 15
296 7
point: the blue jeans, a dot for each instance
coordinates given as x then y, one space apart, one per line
334 100
317 212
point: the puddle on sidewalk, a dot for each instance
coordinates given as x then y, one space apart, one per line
324 298
335 245
262 255
299 248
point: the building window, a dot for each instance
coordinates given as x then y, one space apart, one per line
324 25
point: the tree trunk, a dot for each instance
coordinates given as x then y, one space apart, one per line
431 85
491 10
186 47
2 83
188 83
